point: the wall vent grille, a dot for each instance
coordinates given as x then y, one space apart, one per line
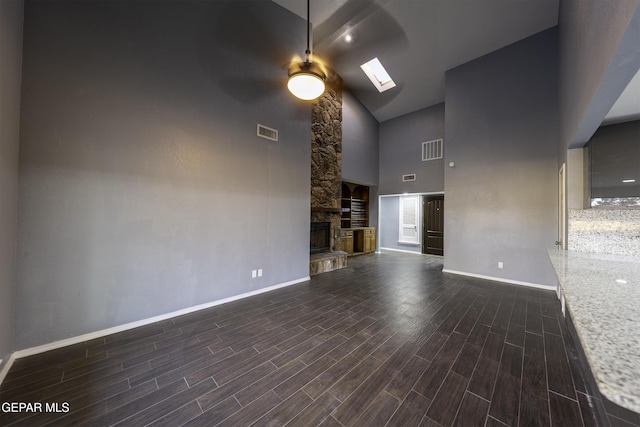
432 150
267 132
409 177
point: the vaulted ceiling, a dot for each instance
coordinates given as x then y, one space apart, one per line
416 41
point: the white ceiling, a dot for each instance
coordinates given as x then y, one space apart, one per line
416 41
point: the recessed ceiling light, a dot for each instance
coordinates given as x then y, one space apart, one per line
378 75
628 180
348 37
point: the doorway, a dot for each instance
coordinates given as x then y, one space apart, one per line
433 225
562 208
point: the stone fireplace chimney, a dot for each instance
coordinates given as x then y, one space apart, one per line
326 161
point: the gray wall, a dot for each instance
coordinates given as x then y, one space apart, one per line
360 149
599 54
11 14
502 134
143 186
401 152
389 217
359 142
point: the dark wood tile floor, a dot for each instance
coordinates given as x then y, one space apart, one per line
390 340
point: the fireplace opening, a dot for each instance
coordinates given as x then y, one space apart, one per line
320 237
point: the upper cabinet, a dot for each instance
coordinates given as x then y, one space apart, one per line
615 165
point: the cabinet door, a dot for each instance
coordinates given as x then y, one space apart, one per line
369 240
372 240
346 242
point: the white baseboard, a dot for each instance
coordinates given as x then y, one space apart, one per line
401 250
97 334
500 279
5 368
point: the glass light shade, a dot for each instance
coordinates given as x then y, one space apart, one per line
306 80
306 86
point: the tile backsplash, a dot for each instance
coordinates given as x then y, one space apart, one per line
607 231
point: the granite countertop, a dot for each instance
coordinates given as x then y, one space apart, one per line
602 294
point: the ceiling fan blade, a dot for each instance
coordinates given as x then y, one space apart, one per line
242 51
366 21
250 29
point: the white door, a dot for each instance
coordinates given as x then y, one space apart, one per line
409 220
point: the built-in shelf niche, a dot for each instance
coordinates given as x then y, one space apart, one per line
355 205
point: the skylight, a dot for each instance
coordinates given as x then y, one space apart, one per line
378 75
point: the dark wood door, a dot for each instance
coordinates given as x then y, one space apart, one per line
433 225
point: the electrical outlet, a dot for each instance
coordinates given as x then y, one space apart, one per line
259 272
254 274
500 264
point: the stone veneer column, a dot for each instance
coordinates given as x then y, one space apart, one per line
326 160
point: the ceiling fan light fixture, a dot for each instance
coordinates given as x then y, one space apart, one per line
306 80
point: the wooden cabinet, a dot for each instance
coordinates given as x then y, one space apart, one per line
356 237
346 241
369 240
355 205
358 241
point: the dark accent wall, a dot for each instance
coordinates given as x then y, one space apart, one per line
143 186
401 152
11 14
502 135
599 54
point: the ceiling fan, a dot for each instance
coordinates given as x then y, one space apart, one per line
353 34
254 71
307 78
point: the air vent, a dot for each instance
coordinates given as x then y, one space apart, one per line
267 132
432 150
409 177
